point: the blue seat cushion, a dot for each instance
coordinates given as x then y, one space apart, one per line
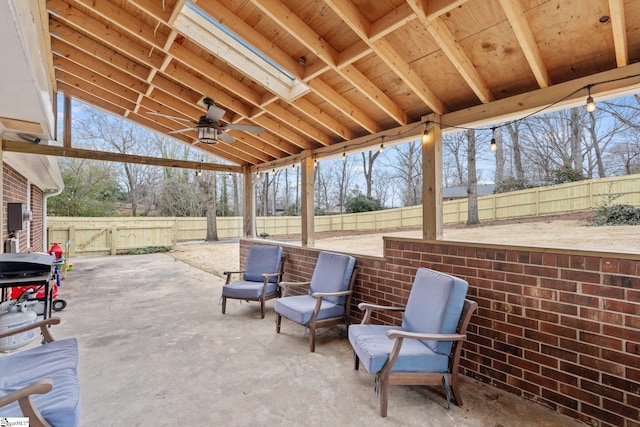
332 273
262 259
57 361
248 290
373 347
434 306
299 308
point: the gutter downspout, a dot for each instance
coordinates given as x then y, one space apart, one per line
44 216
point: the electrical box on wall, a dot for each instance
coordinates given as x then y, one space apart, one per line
16 215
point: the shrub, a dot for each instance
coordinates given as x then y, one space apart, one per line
511 183
147 250
616 215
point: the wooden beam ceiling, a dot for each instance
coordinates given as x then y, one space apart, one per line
367 66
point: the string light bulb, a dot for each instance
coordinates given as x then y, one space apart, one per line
493 146
198 172
344 155
293 165
315 162
591 104
381 150
425 134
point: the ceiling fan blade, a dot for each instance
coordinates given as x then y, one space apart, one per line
246 128
180 130
225 137
215 113
171 117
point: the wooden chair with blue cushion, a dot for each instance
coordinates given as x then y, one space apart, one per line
328 300
260 277
426 349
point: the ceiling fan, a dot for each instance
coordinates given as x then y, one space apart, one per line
208 129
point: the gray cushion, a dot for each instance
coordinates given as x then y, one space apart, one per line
262 259
332 273
434 306
373 347
248 290
57 361
299 308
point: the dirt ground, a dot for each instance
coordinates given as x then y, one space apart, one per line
571 232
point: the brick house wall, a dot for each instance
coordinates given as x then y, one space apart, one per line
18 190
559 327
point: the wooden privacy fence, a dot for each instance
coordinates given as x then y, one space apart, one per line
103 236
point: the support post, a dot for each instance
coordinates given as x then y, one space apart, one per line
432 180
248 205
308 210
66 120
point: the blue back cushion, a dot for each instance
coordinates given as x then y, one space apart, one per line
434 306
332 274
262 259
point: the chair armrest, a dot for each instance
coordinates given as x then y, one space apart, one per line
369 308
268 275
285 286
42 324
331 294
38 387
395 333
229 273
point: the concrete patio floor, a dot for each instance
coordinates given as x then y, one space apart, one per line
156 350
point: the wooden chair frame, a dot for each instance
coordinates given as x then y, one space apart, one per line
387 377
263 296
315 324
23 395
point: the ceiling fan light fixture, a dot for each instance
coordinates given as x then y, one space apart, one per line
207 135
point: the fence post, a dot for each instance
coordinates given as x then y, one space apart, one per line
174 231
114 239
72 238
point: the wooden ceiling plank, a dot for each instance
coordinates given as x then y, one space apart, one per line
297 123
125 21
260 145
288 20
90 99
323 119
374 93
84 24
105 69
155 9
210 71
327 93
67 41
619 30
229 19
66 80
352 16
443 37
353 53
88 75
286 133
436 8
184 108
524 35
390 22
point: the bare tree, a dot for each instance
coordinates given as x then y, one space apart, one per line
497 135
368 159
514 128
472 182
407 170
207 181
454 147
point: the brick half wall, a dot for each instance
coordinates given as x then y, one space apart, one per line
559 327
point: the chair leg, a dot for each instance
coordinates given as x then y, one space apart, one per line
455 389
278 320
384 394
262 308
224 304
312 339
356 363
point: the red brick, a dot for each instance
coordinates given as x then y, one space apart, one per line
632 321
580 276
601 365
522 279
549 260
541 337
582 395
579 347
540 380
601 340
622 281
624 333
581 324
560 399
577 299
602 291
508 328
507 287
562 377
523 301
580 371
603 415
620 383
558 330
609 265
621 306
620 408
540 271
524 385
628 267
508 267
542 315
558 352
601 316
561 285
601 390
556 307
